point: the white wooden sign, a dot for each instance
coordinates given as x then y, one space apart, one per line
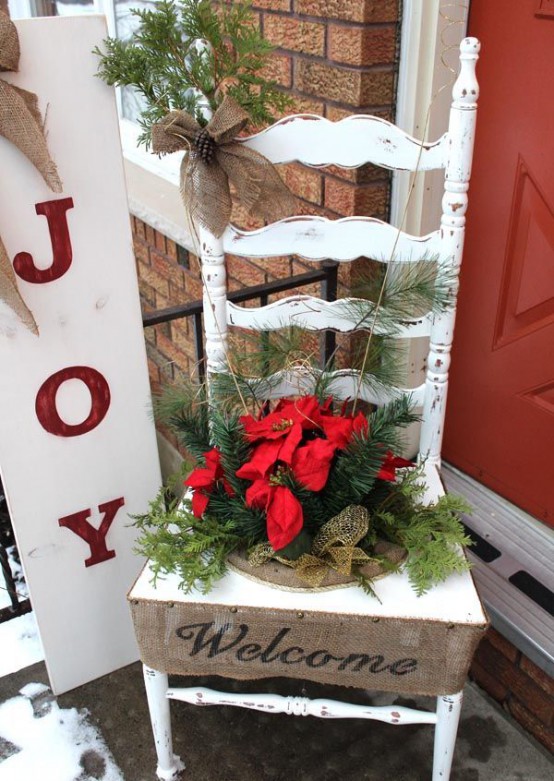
77 442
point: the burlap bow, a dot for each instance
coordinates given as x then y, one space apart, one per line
21 124
216 159
334 547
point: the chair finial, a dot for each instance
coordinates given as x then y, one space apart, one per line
466 89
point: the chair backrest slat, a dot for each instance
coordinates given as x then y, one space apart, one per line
314 314
343 385
349 143
317 238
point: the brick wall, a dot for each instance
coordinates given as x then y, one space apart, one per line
336 57
522 688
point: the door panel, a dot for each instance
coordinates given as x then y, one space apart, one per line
500 417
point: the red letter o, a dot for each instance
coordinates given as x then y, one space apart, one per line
45 405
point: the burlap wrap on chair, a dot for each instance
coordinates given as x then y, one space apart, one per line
243 642
21 124
214 160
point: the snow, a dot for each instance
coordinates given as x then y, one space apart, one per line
38 739
52 747
20 644
32 690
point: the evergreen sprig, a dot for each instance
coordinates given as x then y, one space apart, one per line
184 55
432 533
177 542
184 409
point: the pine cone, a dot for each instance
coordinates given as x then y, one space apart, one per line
205 145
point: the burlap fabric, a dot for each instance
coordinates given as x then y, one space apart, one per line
21 124
205 184
9 293
20 119
9 44
389 654
333 554
278 575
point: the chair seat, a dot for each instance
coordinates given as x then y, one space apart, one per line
398 642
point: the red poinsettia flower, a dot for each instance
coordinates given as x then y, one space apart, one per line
390 465
312 462
284 513
281 432
267 453
288 420
203 480
340 429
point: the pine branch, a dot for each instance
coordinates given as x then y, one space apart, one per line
366 585
183 53
412 289
185 410
228 436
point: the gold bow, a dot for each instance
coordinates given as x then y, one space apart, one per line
334 547
21 124
216 159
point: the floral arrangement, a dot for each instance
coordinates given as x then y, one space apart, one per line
292 446
308 482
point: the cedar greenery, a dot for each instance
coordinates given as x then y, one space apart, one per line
176 541
168 63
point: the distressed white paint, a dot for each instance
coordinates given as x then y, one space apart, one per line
317 238
351 142
90 316
461 134
302 706
156 684
449 708
314 314
214 285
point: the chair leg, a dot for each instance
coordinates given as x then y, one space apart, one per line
156 685
448 716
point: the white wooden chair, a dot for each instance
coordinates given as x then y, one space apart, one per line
452 606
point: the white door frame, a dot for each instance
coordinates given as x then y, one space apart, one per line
431 33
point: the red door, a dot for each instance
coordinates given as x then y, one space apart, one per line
500 417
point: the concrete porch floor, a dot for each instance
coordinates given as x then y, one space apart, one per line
232 744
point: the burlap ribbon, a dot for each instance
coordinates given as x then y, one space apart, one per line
21 124
215 160
334 546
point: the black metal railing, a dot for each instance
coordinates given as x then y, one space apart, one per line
326 275
11 583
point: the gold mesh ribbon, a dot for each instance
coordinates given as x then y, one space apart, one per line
21 124
205 184
334 547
